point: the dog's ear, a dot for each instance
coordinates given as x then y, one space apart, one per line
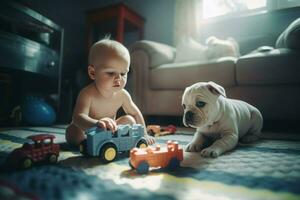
216 89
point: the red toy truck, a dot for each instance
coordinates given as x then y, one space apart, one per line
42 149
142 159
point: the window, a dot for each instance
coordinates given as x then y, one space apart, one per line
47 141
287 4
214 8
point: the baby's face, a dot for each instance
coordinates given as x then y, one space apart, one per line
111 74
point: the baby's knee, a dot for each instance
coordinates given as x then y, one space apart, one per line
126 119
130 119
74 135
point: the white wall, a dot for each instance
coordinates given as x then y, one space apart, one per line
159 15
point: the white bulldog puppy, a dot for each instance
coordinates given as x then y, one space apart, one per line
218 119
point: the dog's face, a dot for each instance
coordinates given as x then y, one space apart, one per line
199 103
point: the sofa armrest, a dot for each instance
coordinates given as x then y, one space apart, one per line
158 53
290 37
144 56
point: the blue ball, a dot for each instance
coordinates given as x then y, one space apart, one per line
36 111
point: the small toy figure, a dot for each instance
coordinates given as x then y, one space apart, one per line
169 157
106 144
40 149
156 130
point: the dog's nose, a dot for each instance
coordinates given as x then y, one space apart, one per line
189 116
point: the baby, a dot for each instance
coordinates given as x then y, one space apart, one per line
98 103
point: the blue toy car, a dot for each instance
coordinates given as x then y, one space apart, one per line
105 144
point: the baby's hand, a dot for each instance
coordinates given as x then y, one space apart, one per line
150 140
107 123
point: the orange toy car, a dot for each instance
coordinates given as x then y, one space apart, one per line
156 130
169 157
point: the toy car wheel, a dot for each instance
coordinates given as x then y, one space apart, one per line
151 132
83 148
108 153
131 166
52 158
174 163
26 163
142 144
143 167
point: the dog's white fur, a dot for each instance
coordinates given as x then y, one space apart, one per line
189 49
217 48
221 119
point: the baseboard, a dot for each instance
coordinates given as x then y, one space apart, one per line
269 125
164 120
282 125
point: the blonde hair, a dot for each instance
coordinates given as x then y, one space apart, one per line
107 47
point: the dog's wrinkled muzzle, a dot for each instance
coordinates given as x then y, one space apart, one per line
188 118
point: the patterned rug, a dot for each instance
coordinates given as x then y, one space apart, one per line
267 169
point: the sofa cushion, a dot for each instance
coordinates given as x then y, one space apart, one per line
290 37
177 76
277 66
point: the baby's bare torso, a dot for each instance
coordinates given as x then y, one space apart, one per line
104 106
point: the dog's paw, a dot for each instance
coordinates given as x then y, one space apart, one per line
211 152
193 147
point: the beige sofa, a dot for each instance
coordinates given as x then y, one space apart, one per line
267 79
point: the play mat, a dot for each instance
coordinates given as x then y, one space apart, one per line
268 169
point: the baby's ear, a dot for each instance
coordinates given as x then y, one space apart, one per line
92 72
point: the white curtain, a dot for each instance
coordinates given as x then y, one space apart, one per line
187 19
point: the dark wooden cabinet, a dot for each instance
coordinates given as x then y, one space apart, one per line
31 52
115 20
